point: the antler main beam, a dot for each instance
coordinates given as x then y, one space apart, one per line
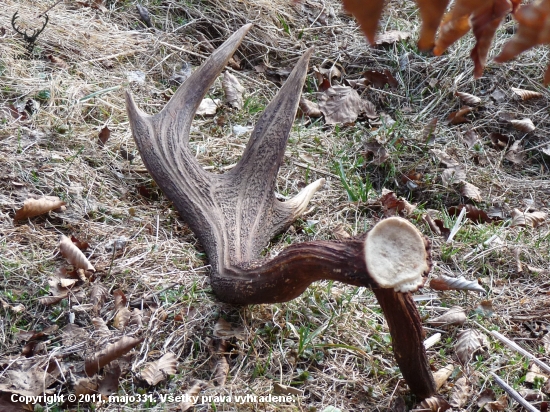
236 214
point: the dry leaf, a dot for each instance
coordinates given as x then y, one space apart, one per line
435 404
73 335
523 125
341 104
233 90
367 15
470 138
431 13
460 393
468 98
452 175
104 135
447 283
485 308
109 384
546 342
500 141
454 316
86 386
487 401
531 219
533 29
340 233
391 37
208 107
379 80
113 351
120 299
469 342
444 158
535 373
286 390
101 328
122 318
470 191
57 61
74 255
379 152
440 376
459 116
429 131
526 94
515 153
98 295
35 207
393 206
473 213
309 108
192 394
159 370
217 348
224 330
25 378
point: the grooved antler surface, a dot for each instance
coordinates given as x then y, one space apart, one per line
236 214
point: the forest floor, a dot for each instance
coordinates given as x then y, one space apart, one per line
330 349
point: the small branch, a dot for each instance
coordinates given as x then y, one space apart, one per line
519 349
516 396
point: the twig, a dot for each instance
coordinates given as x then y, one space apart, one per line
510 391
49 8
516 347
305 166
457 226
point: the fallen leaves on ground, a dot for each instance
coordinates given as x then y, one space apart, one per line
454 316
391 37
435 404
441 375
459 116
500 141
473 213
526 94
224 330
104 135
523 125
74 255
233 90
159 370
470 191
392 205
113 351
443 282
341 104
528 219
469 342
515 153
460 393
26 378
380 79
487 400
208 107
191 393
470 138
378 152
468 98
309 108
35 207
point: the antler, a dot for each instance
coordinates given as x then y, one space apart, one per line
236 214
30 40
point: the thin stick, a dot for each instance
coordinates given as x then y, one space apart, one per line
510 391
48 9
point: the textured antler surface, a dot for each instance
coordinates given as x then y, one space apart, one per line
236 214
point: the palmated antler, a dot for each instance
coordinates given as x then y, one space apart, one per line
235 215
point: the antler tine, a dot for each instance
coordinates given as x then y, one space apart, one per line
14 17
264 152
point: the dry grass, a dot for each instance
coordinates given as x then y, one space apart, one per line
332 342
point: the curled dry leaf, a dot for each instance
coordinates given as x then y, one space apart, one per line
104 135
515 153
468 98
379 79
217 348
367 15
98 295
122 318
526 94
208 107
469 342
454 316
74 255
429 131
26 378
393 206
500 141
101 328
459 116
113 351
523 125
233 90
473 213
224 330
435 404
460 393
453 174
531 219
341 104
192 394
35 207
120 299
159 370
309 108
444 158
447 283
470 191
86 386
441 375
109 383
